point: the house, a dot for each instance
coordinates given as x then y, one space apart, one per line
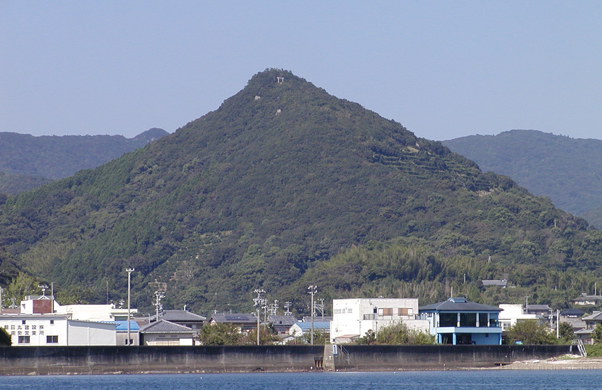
495 283
574 317
165 333
301 328
586 334
122 332
182 317
512 314
56 330
458 321
282 323
354 317
588 300
245 322
540 310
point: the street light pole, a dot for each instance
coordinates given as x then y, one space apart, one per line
129 271
312 291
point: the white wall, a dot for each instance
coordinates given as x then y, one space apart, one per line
91 333
68 332
357 316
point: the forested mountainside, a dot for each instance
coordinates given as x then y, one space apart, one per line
27 162
567 170
285 185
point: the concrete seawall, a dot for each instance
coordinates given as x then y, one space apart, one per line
439 357
130 360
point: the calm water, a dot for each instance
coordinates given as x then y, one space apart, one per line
424 380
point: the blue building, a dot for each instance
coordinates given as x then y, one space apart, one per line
457 321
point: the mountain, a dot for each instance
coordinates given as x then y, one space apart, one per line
567 170
27 162
284 186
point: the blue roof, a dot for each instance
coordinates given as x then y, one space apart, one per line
317 325
123 325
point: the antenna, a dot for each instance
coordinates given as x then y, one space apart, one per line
158 306
287 308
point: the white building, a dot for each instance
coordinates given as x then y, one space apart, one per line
56 330
354 317
513 313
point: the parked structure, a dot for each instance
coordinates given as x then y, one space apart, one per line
458 321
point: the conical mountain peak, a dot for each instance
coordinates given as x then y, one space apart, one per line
281 177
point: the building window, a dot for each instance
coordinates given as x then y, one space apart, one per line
468 319
386 311
483 320
448 319
24 339
23 322
52 339
51 322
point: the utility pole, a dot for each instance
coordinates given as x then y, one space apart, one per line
129 271
312 290
158 296
258 302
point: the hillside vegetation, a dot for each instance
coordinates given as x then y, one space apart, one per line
567 170
284 186
27 162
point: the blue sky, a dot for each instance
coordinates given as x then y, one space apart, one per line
443 69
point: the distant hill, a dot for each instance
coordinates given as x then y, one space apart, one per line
27 162
567 170
284 186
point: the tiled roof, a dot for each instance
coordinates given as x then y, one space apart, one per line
181 316
282 320
572 312
596 316
163 326
237 318
457 305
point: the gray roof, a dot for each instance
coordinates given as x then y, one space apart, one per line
163 326
595 316
494 282
282 320
235 318
458 304
538 307
181 316
572 312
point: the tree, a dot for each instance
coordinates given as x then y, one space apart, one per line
220 334
400 333
369 338
531 332
5 339
566 332
597 334
21 286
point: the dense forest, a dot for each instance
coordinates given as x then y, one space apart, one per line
567 170
284 186
27 162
